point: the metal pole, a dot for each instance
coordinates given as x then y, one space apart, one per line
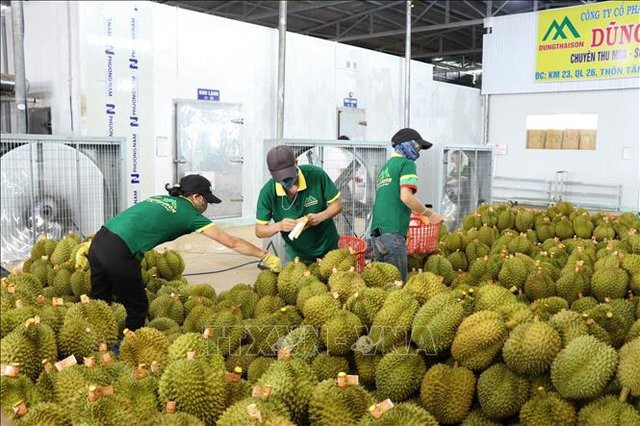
17 23
282 47
407 67
485 133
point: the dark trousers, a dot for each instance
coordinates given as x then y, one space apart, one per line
391 248
114 270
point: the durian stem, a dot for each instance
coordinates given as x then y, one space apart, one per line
541 391
624 394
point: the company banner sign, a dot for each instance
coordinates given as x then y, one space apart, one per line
590 42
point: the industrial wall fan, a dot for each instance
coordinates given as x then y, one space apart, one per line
51 186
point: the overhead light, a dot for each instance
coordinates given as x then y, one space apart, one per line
4 7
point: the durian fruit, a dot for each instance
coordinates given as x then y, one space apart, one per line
611 283
292 383
80 282
393 321
531 348
547 409
484 268
78 337
60 279
366 303
304 343
311 287
447 392
266 331
491 296
99 315
501 392
514 272
271 412
340 332
204 348
327 366
46 413
107 410
241 357
267 305
144 346
377 274
628 373
341 259
366 366
169 327
168 306
266 283
584 304
539 285
62 252
405 413
194 301
197 388
28 344
139 387
423 286
227 330
345 283
289 281
583 368
170 264
257 367
435 324
17 389
478 339
240 298
458 260
202 290
477 418
319 309
331 404
71 386
198 318
546 307
174 419
608 410
440 265
399 374
612 319
237 388
569 325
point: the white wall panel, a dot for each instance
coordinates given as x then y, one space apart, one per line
509 59
618 128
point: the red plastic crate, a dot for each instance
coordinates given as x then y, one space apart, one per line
358 245
422 238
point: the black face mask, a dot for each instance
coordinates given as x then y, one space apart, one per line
290 181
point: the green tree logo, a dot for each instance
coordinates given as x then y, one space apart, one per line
559 29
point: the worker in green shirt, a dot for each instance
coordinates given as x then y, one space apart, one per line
118 247
396 185
298 193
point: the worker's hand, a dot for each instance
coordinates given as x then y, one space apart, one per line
436 218
314 219
287 224
81 261
273 262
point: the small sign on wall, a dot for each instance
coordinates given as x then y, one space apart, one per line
208 95
350 102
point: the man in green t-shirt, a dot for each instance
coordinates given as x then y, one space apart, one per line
118 247
395 200
294 194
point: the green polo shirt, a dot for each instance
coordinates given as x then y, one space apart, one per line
390 214
315 192
156 220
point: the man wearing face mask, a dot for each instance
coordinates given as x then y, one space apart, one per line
395 200
294 193
118 247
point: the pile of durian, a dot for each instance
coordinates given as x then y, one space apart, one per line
521 317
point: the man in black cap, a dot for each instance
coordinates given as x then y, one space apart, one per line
298 194
395 200
118 247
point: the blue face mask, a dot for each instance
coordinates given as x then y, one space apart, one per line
290 181
408 149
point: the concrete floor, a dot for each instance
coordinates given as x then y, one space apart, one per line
203 257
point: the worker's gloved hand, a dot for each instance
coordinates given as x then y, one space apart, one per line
273 262
81 261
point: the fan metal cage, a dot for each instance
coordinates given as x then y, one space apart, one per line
53 185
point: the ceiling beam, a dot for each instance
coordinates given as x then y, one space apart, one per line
352 16
445 53
218 7
294 10
355 24
472 6
414 30
495 12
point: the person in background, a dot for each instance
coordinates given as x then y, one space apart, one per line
396 185
297 193
118 247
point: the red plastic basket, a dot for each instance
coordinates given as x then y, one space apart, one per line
358 245
422 238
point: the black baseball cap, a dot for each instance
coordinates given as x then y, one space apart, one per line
407 134
281 163
198 184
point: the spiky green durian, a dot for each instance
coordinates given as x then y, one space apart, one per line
393 321
547 409
331 405
327 366
531 348
609 283
170 264
608 410
100 316
289 281
196 386
46 413
628 373
583 368
304 342
267 305
377 274
399 374
341 259
319 309
272 412
310 288
144 346
204 348
345 283
569 325
266 283
267 330
257 367
447 392
423 286
491 296
435 324
440 265
501 392
406 414
28 344
366 303
478 339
